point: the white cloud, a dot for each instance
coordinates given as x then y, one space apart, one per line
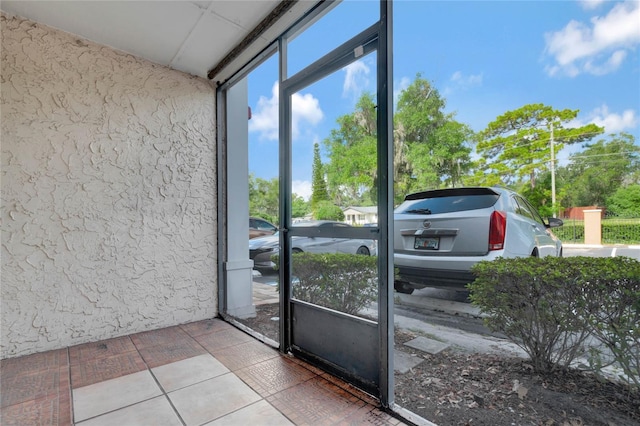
612 64
596 48
466 81
601 116
591 4
265 118
306 110
612 122
302 188
356 79
459 81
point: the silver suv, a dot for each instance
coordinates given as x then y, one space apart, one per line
441 234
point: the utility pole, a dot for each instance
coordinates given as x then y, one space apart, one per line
553 174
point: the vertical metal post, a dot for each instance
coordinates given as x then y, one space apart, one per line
221 178
385 202
284 224
553 173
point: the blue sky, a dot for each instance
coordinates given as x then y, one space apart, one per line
484 57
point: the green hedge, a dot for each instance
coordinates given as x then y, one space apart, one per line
621 231
339 281
614 231
571 232
551 306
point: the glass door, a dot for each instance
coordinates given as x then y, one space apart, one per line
335 275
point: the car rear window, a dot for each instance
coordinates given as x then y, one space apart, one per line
441 202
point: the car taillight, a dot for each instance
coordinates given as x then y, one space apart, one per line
497 230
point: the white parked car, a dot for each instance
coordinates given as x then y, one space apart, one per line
440 234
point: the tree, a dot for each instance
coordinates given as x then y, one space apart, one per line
540 195
597 172
299 207
264 198
517 145
431 149
318 185
352 148
326 210
625 202
444 160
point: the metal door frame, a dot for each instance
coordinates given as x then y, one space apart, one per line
343 354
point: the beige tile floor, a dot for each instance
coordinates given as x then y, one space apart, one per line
202 373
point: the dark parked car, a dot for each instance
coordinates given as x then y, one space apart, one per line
440 234
261 249
260 227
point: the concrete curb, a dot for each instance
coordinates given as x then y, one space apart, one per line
611 246
439 305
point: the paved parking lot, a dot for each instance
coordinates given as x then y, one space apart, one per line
632 251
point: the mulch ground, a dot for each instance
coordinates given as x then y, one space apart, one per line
460 388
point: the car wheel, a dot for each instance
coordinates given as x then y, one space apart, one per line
402 287
363 250
295 250
535 252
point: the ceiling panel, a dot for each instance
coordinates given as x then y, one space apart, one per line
212 38
191 36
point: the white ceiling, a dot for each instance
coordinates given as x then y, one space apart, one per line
190 36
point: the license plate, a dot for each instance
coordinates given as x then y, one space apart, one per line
426 243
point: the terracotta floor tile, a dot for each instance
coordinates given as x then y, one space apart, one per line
64 396
274 375
306 365
369 415
156 356
102 349
351 389
244 354
206 326
33 363
100 369
163 336
24 387
38 411
314 402
223 339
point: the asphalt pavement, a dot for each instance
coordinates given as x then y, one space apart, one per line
600 250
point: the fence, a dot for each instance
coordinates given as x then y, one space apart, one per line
615 230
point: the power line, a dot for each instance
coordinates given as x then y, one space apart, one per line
581 156
545 140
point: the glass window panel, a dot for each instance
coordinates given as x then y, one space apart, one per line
340 24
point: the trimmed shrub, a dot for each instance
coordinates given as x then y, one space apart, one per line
616 324
571 231
534 304
339 281
550 306
621 231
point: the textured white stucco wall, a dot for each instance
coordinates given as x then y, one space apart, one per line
108 192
